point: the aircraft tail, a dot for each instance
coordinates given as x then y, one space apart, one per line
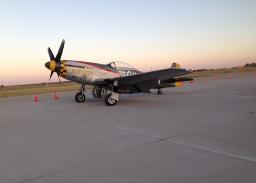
175 65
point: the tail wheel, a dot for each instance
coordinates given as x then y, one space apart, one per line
109 101
159 92
80 97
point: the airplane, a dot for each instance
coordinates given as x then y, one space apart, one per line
110 80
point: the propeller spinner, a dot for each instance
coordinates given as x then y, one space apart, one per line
54 65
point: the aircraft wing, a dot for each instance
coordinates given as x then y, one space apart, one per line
163 74
144 81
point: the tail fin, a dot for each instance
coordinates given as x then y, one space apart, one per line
175 65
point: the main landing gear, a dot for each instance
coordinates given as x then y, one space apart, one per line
113 97
80 96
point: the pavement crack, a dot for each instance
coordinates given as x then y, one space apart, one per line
221 153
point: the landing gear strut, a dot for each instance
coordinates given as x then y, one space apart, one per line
80 96
112 98
96 92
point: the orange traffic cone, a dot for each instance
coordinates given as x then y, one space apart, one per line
55 97
36 98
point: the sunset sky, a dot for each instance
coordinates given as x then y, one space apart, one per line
145 33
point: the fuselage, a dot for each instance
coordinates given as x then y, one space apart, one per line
89 72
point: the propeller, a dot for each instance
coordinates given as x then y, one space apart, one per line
55 62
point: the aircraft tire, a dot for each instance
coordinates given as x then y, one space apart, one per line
80 97
109 101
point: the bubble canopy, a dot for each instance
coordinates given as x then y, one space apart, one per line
119 65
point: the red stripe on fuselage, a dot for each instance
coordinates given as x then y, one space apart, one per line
99 67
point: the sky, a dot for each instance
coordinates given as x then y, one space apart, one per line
149 34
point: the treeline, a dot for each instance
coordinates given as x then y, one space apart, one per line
250 65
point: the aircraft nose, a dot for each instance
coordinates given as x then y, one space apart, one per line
47 65
51 65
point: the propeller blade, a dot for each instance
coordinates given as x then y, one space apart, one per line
49 79
57 62
58 57
51 74
51 54
59 79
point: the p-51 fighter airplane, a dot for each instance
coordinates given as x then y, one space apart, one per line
110 80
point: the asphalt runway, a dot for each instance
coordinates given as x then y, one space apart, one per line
202 132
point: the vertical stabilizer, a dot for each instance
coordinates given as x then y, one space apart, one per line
175 65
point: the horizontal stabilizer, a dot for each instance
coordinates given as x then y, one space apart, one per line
178 84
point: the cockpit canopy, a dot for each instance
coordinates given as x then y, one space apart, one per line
118 65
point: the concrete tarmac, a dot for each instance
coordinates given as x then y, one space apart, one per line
202 132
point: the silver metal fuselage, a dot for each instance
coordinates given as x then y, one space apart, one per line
88 72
